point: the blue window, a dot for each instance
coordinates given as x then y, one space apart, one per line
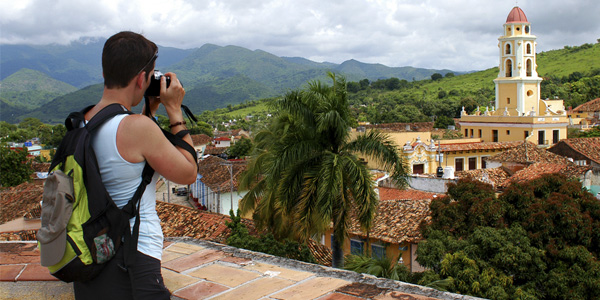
377 251
357 247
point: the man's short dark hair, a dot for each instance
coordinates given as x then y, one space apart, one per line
125 55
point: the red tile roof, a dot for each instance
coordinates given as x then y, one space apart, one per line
40 167
588 147
538 169
183 221
407 194
527 153
212 150
397 221
215 174
496 176
590 106
478 146
16 202
201 139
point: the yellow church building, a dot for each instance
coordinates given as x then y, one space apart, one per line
519 113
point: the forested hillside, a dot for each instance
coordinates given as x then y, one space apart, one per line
571 74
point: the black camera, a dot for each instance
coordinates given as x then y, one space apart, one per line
154 88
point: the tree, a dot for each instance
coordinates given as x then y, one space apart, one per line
241 148
443 122
380 267
241 238
364 84
305 173
538 240
202 127
436 76
14 166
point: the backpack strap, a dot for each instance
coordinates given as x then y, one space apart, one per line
132 209
105 114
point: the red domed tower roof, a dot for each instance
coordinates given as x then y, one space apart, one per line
516 15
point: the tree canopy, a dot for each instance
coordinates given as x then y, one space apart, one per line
538 240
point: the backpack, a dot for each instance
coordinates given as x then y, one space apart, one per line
82 228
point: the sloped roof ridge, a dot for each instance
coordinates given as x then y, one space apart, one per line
592 105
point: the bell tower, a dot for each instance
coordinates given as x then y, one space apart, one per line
518 83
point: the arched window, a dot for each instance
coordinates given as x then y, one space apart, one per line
508 68
529 68
507 49
528 48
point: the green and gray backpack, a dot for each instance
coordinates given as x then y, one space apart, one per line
82 228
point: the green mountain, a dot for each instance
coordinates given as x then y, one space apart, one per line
213 76
29 89
78 63
57 110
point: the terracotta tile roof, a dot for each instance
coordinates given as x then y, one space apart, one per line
212 150
397 221
23 235
538 169
402 127
40 167
407 194
527 153
588 147
201 139
183 221
479 146
320 252
589 106
16 202
216 175
495 176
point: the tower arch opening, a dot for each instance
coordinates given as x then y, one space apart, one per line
508 68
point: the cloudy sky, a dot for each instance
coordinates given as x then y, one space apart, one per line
458 35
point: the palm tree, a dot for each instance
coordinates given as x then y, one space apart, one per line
305 175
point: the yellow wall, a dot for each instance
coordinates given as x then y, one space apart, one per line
392 250
531 97
505 91
399 138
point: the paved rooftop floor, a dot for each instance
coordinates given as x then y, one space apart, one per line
194 269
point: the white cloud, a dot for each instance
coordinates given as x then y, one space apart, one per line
458 35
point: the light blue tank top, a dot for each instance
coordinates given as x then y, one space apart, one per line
121 179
